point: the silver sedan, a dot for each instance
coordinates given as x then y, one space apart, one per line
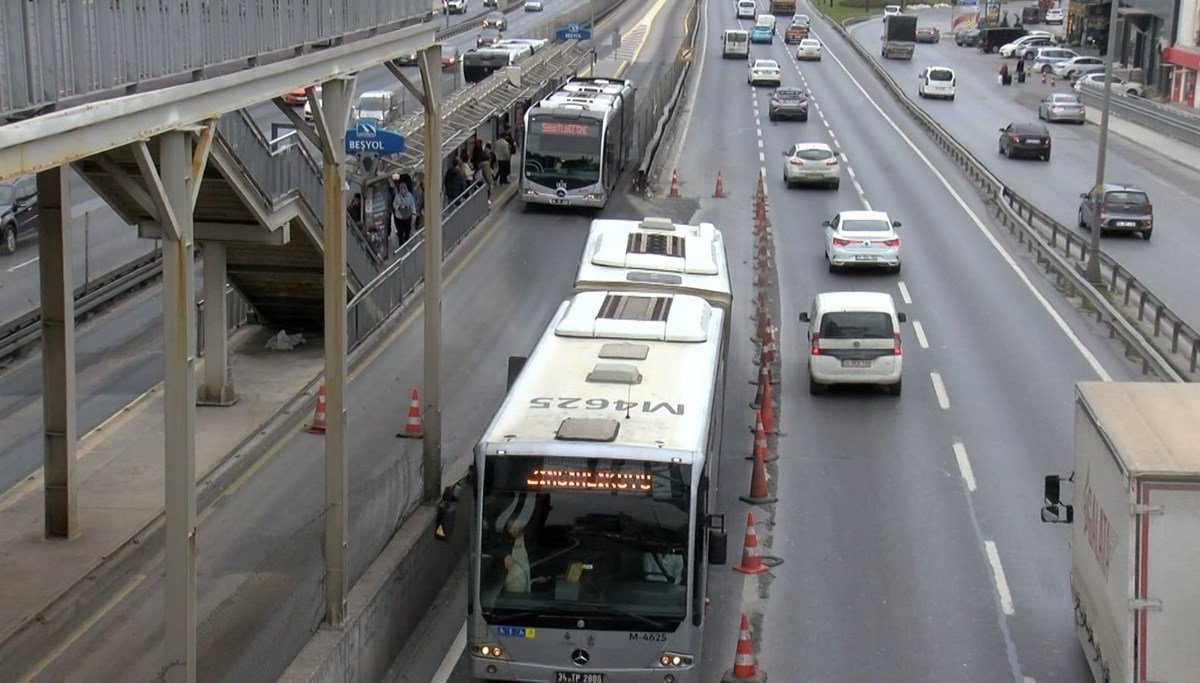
1061 106
862 238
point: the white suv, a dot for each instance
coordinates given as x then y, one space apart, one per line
937 81
854 338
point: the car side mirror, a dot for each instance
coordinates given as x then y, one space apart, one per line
902 317
1054 511
1003 130
895 224
1083 195
825 224
804 317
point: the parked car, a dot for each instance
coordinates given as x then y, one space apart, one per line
491 3
18 212
1031 14
534 6
994 38
1019 38
1062 106
1119 85
1025 139
486 37
1054 15
967 37
1123 208
1071 67
928 34
937 81
812 163
1028 50
1047 57
788 103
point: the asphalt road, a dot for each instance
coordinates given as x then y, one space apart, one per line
259 563
1166 264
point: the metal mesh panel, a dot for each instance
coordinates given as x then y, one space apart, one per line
380 501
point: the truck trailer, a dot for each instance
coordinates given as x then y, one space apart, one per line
1135 547
785 7
899 36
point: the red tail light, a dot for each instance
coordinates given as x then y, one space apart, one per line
839 242
774 100
796 162
1149 209
895 343
1103 207
831 162
894 242
816 349
1014 139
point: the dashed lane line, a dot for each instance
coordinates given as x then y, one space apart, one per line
993 555
904 292
964 465
919 331
939 388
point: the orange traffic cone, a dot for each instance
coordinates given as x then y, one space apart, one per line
764 407
674 183
760 439
318 424
720 191
412 428
751 562
745 668
759 493
768 342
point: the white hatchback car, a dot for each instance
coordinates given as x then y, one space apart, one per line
854 338
764 72
812 163
1044 37
534 6
1054 15
809 48
937 81
892 10
862 238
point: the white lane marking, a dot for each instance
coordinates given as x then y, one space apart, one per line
940 389
850 171
452 655
760 143
919 330
904 292
22 265
1028 679
964 465
1058 319
993 555
762 159
687 120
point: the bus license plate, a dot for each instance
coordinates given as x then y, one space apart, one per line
558 201
848 363
577 677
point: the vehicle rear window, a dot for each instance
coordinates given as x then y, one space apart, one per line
941 75
864 225
813 154
787 94
1126 197
856 325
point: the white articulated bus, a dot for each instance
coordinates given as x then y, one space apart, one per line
577 141
592 533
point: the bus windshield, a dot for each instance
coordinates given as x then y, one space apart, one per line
563 153
597 540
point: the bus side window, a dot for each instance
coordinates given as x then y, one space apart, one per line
700 556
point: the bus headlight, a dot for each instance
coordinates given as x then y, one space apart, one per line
489 650
672 660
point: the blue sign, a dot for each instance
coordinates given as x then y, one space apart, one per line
573 32
368 138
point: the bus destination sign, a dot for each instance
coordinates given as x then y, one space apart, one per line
588 480
568 129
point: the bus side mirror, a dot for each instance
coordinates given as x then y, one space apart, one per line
1054 511
718 542
447 508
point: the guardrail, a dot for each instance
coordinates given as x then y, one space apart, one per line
1169 121
1147 329
652 121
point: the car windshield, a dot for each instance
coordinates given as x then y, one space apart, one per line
495 17
864 225
563 152
812 154
856 325
1126 197
374 103
569 539
941 75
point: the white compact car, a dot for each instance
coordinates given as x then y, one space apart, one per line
809 48
854 338
1043 38
455 6
1054 15
857 239
812 163
764 72
937 81
891 10
533 6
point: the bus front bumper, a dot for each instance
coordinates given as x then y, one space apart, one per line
550 198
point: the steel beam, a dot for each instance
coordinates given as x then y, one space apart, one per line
58 353
179 388
204 140
61 137
417 92
216 388
302 127
245 233
332 114
431 453
126 182
158 193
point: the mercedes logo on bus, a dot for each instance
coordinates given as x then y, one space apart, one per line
561 193
580 657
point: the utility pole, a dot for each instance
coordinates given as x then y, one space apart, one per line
430 61
1092 270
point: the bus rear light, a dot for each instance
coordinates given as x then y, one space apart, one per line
489 650
671 660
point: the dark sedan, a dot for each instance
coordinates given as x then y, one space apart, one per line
486 37
1025 140
788 103
928 34
967 37
496 20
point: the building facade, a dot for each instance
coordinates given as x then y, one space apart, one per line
1182 58
1145 28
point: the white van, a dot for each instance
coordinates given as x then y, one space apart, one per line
767 20
735 43
374 104
937 81
746 9
853 338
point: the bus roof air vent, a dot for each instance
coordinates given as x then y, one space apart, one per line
607 315
643 277
615 373
632 307
658 245
588 429
625 351
657 223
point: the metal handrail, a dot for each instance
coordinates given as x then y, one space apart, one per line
1170 121
1034 227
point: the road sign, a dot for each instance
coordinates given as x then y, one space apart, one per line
368 138
685 53
573 32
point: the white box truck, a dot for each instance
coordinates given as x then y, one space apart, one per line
1135 546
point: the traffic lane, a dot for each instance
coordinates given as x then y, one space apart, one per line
982 107
379 78
979 327
270 524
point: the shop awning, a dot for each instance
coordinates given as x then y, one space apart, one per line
1188 58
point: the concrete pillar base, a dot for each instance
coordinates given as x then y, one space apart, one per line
225 397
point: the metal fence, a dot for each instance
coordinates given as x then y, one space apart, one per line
656 106
1147 329
54 50
236 310
1168 120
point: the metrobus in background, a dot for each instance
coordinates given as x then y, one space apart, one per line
592 533
577 142
480 63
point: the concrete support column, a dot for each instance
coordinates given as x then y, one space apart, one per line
58 352
331 124
179 380
215 389
431 417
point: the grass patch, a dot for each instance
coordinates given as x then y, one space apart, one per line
842 10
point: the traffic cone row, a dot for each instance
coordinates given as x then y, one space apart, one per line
413 428
745 666
674 183
751 561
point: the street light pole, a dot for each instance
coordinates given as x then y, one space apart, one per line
1092 270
